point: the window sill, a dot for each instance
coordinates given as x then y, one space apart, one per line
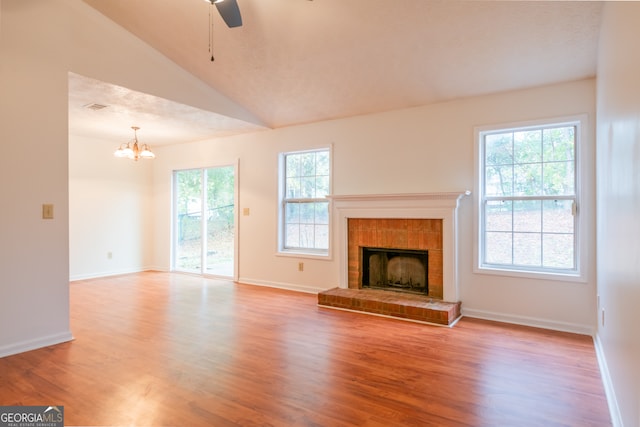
538 275
307 255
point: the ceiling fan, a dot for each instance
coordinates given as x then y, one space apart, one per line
229 11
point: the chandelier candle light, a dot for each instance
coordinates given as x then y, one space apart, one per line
132 150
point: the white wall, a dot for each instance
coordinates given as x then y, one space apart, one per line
109 210
40 42
618 199
34 253
426 149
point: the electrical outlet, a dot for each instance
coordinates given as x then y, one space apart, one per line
109 255
246 211
301 266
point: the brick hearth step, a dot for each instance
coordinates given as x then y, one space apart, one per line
394 304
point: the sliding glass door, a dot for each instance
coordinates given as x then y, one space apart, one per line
204 221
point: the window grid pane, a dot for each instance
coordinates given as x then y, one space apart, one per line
527 179
557 216
499 216
527 147
499 248
523 228
499 181
557 250
527 250
527 216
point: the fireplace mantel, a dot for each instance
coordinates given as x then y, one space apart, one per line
443 205
412 198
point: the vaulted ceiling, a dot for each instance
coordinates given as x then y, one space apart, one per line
300 61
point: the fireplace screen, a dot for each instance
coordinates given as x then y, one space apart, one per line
395 269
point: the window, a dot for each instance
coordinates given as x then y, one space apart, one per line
305 180
528 199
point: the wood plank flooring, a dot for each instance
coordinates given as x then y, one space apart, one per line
161 349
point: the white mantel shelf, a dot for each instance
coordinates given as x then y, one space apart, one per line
443 205
400 196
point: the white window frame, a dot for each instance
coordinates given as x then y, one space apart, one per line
579 274
302 252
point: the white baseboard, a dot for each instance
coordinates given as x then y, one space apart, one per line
529 321
282 285
34 344
77 277
102 274
156 268
614 409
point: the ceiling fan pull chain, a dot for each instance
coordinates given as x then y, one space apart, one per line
211 31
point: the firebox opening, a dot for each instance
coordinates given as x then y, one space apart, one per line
401 270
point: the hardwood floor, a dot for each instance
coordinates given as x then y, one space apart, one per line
161 349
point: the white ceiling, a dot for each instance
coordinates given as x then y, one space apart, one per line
160 120
301 61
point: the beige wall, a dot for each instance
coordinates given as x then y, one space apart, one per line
618 167
40 43
34 253
425 149
109 210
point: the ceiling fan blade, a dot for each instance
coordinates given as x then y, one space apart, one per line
230 12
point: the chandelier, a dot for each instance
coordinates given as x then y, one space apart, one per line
134 151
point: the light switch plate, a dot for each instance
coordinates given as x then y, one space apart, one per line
47 211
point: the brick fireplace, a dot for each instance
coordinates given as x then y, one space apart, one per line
406 221
413 222
395 233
